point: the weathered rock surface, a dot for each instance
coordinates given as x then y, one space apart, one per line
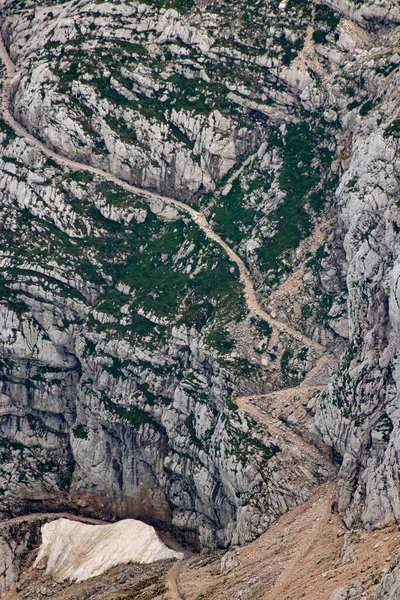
16 541
389 588
104 396
358 414
124 337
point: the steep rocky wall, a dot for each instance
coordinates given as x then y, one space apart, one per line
125 331
17 540
358 413
389 588
116 403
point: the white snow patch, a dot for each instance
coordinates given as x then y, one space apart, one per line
78 551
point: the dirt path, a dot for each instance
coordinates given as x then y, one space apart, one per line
321 517
53 515
284 395
288 439
306 56
174 592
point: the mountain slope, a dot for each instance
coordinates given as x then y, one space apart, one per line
207 210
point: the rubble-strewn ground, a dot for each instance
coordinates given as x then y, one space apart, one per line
307 554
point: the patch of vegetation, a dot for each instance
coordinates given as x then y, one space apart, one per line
48 467
191 427
10 445
231 404
125 133
286 357
351 184
300 6
9 131
326 21
182 6
323 306
385 426
219 339
81 431
248 443
67 76
231 216
353 105
50 162
290 49
319 36
135 415
81 176
392 130
326 16
235 214
366 108
117 196
296 179
262 326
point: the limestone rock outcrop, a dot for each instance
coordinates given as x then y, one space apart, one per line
125 332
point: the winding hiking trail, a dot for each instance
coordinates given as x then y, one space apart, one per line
174 588
198 217
324 359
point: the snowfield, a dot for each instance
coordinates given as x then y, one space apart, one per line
77 551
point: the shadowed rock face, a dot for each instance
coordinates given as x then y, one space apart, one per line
17 540
124 330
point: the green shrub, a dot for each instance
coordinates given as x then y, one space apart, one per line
319 36
393 130
219 339
81 432
366 107
325 15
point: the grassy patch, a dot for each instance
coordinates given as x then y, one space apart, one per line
80 431
366 108
392 130
219 339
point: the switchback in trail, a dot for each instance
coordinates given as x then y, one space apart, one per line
198 217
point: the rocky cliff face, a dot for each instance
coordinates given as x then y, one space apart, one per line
17 540
389 588
114 400
358 413
122 335
125 331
